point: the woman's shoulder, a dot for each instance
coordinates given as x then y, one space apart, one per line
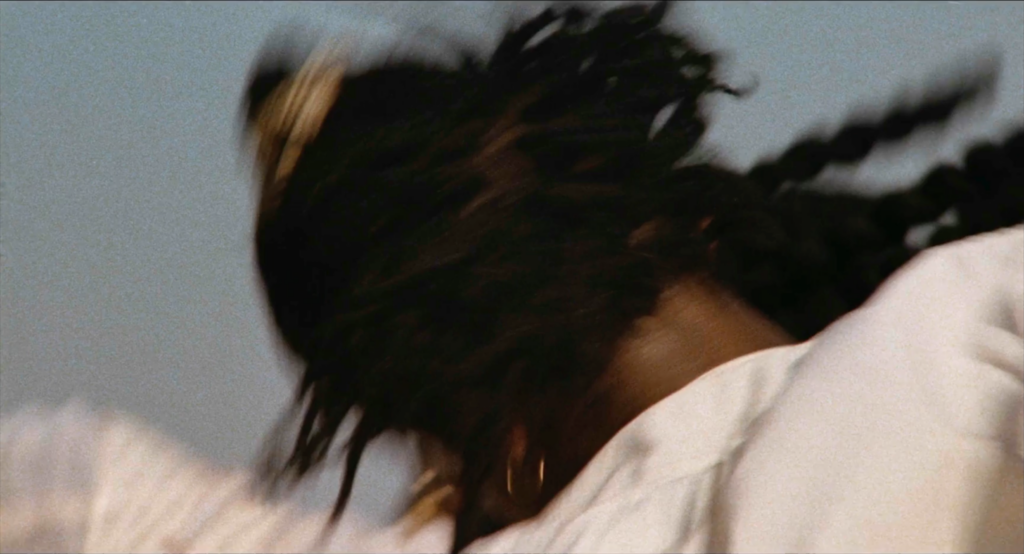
989 263
886 438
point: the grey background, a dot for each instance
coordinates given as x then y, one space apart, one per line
126 273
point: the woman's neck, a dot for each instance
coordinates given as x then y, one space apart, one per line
696 326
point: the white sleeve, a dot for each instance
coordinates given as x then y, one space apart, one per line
153 495
47 478
77 480
903 427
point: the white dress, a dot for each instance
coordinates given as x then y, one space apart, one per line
899 428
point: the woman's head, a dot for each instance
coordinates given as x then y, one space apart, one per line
459 252
458 249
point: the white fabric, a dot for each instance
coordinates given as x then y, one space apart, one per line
899 428
77 480
902 422
650 488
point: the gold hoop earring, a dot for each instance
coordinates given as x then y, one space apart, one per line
511 488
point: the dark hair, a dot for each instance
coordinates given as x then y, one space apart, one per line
460 250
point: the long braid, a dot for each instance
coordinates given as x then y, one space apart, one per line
838 248
805 159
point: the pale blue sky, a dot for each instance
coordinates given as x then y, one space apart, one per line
126 273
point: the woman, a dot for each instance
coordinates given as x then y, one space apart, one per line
509 260
600 344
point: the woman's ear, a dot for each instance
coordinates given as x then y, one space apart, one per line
516 445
